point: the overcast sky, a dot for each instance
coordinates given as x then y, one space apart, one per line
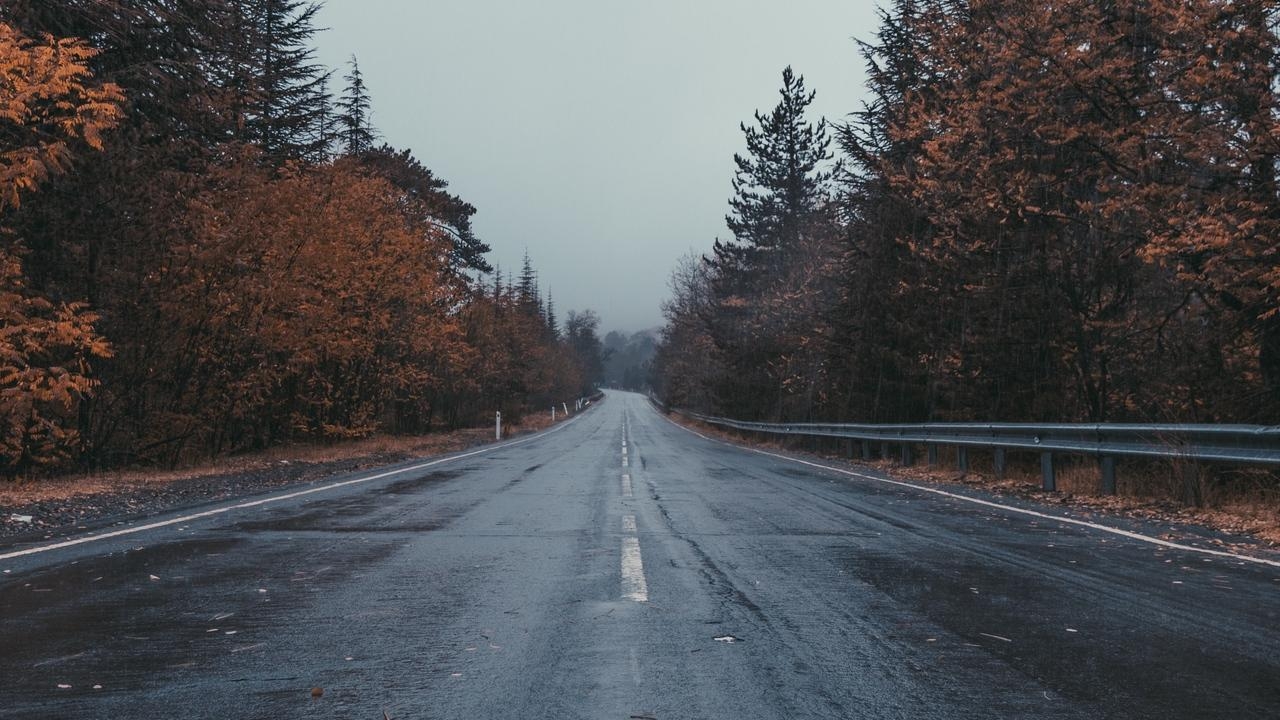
598 135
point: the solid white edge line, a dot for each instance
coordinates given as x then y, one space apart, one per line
274 499
987 503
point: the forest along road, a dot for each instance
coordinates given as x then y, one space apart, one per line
620 566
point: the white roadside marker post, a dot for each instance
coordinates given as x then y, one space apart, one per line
497 425
553 413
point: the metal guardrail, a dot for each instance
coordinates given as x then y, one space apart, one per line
1241 444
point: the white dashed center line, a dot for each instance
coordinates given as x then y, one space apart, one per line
626 486
634 586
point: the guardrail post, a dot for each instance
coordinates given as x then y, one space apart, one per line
1050 480
1191 484
933 454
884 451
849 448
962 458
999 462
866 449
908 457
1108 475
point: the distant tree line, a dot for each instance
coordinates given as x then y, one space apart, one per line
1046 212
204 251
628 359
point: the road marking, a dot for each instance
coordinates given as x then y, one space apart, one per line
274 499
633 585
626 485
628 523
625 462
987 503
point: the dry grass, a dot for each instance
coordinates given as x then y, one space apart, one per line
1238 501
378 449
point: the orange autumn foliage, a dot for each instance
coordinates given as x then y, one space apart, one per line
257 287
303 303
48 104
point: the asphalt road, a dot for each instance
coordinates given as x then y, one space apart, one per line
562 578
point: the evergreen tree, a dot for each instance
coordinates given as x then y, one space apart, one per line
527 294
327 127
277 88
553 325
779 220
878 331
357 133
779 185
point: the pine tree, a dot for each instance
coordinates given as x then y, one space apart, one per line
275 86
876 375
357 133
553 324
780 184
780 225
528 297
327 127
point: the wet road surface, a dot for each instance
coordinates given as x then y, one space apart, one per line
622 567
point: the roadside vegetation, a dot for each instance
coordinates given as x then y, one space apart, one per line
1063 213
205 249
